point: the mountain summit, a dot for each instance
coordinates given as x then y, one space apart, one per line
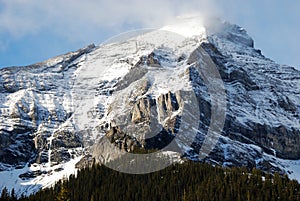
192 90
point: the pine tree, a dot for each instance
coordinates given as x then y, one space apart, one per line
13 195
4 195
63 194
184 196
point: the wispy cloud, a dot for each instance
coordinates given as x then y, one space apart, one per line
274 26
3 45
75 19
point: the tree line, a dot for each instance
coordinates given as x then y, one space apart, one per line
189 181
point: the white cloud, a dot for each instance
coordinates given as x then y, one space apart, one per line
84 21
76 19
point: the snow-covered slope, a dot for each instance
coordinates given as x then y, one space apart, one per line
58 113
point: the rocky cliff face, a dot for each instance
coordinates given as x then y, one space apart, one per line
146 92
36 106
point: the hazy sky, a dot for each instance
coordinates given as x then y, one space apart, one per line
35 30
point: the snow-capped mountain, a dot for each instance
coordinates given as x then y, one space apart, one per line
143 91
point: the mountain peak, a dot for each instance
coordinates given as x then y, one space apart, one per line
206 27
152 83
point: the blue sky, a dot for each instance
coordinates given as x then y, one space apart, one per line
34 30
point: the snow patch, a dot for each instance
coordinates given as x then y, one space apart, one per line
50 175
